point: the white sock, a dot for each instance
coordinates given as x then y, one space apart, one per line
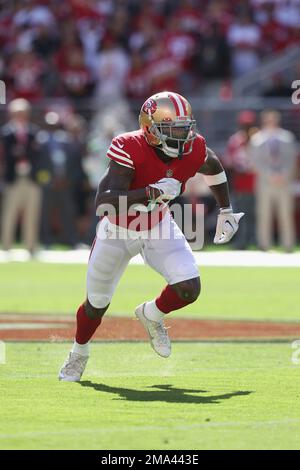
152 312
82 349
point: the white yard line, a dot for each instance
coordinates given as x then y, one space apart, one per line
203 258
31 326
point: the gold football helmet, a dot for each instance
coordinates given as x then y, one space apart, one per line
167 123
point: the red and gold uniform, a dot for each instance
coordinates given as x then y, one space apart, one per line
132 150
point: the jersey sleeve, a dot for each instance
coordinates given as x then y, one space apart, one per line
119 152
202 150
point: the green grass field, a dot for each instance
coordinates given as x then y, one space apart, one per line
235 293
207 395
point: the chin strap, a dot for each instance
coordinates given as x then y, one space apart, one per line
180 153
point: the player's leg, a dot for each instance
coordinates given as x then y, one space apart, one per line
174 260
88 319
264 214
179 295
285 217
10 213
32 211
108 260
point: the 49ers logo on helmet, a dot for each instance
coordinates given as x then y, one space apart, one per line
150 106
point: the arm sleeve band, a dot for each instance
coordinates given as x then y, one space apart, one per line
212 180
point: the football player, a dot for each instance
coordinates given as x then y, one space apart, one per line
149 167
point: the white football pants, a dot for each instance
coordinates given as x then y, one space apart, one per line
164 248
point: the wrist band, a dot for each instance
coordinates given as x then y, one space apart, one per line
225 210
150 193
213 180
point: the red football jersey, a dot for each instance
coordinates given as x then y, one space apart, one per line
132 150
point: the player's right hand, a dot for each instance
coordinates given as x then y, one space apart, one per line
227 225
165 189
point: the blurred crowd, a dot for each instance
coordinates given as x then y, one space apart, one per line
95 49
76 73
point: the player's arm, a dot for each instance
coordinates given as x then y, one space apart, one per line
215 177
116 183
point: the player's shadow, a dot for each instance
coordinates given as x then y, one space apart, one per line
163 393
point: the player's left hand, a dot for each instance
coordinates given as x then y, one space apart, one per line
227 225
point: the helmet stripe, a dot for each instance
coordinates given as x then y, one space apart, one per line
183 105
179 104
175 103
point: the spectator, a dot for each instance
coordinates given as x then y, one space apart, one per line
22 194
83 10
244 38
62 164
148 13
118 26
178 43
76 126
219 13
32 13
189 16
137 81
180 46
275 35
25 74
6 28
45 41
238 161
287 13
274 154
212 60
90 36
70 40
144 34
163 70
76 79
111 70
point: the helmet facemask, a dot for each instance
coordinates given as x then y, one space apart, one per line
175 138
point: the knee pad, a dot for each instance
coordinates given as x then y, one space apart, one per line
99 300
189 291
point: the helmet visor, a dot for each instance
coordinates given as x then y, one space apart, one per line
174 136
177 132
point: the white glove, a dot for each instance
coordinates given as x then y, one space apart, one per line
227 225
169 189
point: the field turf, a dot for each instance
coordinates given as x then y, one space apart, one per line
207 395
232 293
